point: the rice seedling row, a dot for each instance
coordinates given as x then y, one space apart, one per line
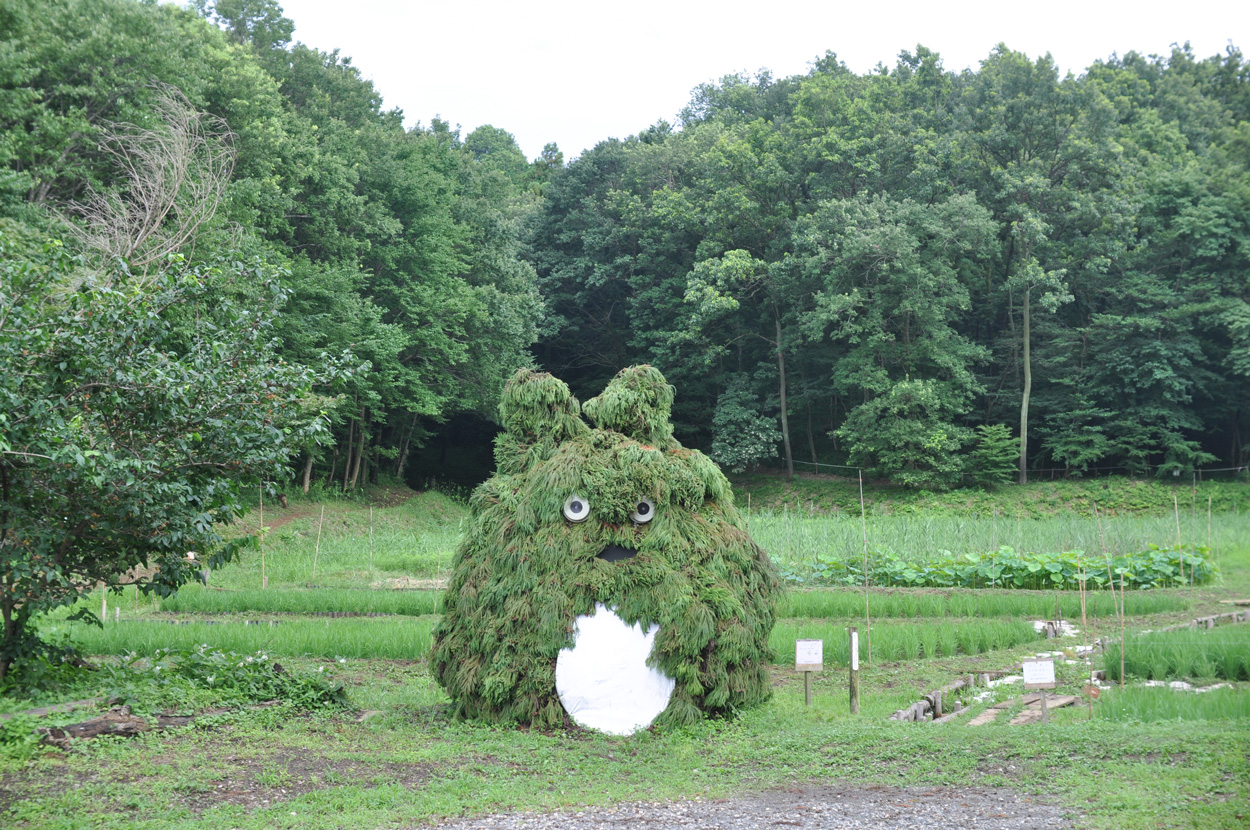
849 603
902 641
402 639
1222 653
195 599
409 639
1144 704
816 602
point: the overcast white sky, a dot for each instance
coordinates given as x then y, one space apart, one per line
578 72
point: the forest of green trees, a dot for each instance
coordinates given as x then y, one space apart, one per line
940 277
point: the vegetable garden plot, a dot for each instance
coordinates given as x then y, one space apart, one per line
1153 567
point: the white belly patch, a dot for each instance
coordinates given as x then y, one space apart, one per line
604 681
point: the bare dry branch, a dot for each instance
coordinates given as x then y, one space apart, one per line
175 179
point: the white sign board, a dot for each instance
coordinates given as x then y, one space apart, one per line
1039 674
855 650
809 655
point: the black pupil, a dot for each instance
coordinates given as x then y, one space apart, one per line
576 507
643 508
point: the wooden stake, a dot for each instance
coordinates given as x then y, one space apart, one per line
317 549
104 605
807 688
371 538
854 685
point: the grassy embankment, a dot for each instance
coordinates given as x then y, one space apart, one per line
1134 765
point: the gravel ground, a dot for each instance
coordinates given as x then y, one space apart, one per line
815 808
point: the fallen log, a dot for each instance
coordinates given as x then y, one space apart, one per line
119 720
116 721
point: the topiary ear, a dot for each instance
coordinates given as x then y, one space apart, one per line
638 403
538 413
537 404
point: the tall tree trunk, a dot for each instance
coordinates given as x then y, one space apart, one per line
785 418
403 449
334 465
351 445
811 440
360 451
1024 399
308 465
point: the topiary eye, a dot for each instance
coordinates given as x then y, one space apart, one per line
576 509
644 511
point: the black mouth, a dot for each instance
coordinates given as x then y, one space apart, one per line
616 553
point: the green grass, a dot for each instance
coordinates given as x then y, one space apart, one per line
849 603
794 539
1152 704
1114 496
1221 653
410 763
411 541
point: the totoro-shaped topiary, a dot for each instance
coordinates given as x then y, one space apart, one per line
583 525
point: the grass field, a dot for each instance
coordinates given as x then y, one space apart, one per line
396 758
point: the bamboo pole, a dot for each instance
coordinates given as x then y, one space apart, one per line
863 519
317 549
264 580
1121 629
1180 554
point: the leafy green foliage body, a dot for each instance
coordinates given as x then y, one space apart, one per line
524 573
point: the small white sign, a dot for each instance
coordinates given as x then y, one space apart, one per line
809 655
1039 674
855 651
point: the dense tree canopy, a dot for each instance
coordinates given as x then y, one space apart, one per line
901 271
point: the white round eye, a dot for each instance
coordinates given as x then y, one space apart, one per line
644 512
576 509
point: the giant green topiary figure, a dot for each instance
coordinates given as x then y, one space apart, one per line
613 525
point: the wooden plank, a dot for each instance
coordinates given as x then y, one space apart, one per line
988 716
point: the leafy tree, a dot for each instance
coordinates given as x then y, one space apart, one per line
743 436
993 457
907 435
133 415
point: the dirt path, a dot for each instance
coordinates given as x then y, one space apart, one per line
836 807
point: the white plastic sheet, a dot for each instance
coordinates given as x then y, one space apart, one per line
604 681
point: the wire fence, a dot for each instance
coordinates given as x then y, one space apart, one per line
1058 473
